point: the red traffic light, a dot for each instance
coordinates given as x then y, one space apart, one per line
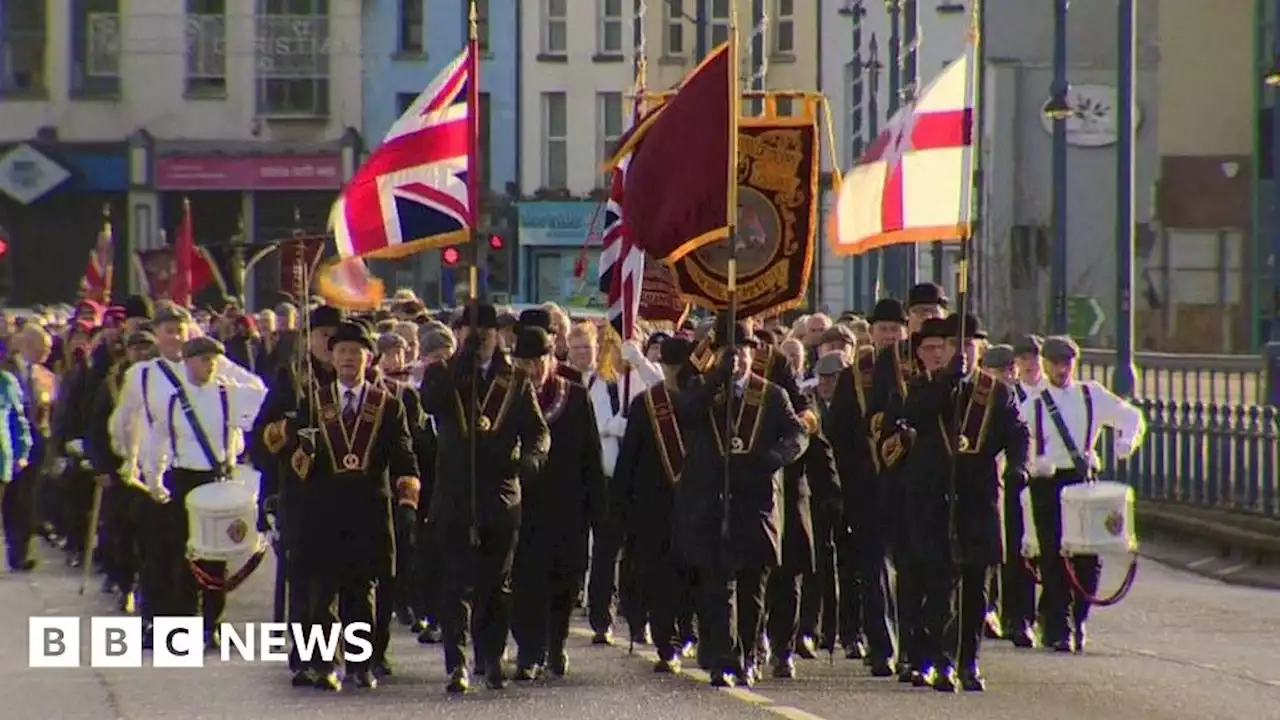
450 256
495 242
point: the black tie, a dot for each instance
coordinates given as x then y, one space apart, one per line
349 408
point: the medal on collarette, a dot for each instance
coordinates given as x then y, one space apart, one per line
963 443
483 423
351 461
737 444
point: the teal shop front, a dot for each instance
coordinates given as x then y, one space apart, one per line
552 236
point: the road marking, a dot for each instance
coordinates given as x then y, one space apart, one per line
1273 683
792 713
1234 569
747 696
1201 562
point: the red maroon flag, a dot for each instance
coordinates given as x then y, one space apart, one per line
677 179
184 259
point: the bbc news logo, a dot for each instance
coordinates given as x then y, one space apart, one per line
178 642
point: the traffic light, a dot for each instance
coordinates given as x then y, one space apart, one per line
496 243
450 256
498 264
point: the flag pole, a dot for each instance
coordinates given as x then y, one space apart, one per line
473 201
731 223
629 318
109 265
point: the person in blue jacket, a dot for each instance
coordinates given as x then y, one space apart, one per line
15 431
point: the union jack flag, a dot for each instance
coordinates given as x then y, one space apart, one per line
412 192
621 262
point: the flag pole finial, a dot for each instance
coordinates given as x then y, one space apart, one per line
473 21
186 203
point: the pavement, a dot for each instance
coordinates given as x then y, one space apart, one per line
1233 547
1180 647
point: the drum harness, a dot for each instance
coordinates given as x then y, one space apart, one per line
222 469
1045 402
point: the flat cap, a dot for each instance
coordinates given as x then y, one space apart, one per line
170 312
675 350
998 357
833 363
140 338
201 346
440 338
1060 348
1028 345
389 341
838 334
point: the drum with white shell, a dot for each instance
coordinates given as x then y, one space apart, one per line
1030 540
1097 519
223 518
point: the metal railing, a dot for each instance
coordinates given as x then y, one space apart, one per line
1213 439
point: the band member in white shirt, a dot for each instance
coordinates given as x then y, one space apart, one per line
196 441
1065 420
1028 366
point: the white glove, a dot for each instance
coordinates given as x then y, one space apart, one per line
75 447
616 427
1095 462
631 352
160 494
1041 467
59 466
1123 448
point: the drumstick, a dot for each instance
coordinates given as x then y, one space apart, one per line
91 540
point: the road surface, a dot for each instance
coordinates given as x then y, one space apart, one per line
1180 647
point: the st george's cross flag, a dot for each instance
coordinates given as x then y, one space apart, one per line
914 184
411 194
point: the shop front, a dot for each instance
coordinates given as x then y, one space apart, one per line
54 201
552 236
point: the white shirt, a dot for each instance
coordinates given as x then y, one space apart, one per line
244 398
612 426
350 397
1108 411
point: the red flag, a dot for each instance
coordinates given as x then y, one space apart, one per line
677 178
95 283
184 259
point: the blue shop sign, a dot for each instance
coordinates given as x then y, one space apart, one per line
99 171
557 224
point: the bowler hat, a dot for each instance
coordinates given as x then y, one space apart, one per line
350 332
532 343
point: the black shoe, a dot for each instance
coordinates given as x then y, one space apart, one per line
721 679
689 650
418 626
305 677
1063 646
459 681
971 680
381 669
922 678
669 667
855 651
1021 637
784 668
602 637
495 678
329 682
75 560
527 673
212 640
365 679
805 648
905 671
558 664
22 566
406 617
881 668
430 635
992 629
749 676
944 680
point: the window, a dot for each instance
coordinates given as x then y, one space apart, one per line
23 38
292 55
555 27
486 162
608 124
855 132
404 101
412 22
673 33
555 145
719 23
95 48
784 106
609 37
784 27
482 22
206 33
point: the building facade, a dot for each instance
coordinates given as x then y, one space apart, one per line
407 44
246 108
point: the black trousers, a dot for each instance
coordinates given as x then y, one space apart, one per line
75 507
1017 597
340 598
425 577
545 592
124 509
603 579
955 609
476 590
406 527
820 592
869 563
384 604
909 589
178 591
732 616
783 602
1061 606
668 588
18 513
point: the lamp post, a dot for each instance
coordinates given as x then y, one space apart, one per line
700 24
873 66
1058 111
1272 349
855 11
1122 380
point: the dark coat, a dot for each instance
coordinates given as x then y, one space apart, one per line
287 399
755 490
517 446
641 496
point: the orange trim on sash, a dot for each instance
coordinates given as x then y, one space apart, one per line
492 410
749 416
350 447
666 428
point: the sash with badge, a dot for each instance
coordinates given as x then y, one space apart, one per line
666 429
350 447
976 418
746 424
904 368
553 398
1046 402
491 410
864 372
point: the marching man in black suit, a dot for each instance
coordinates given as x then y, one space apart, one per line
732 533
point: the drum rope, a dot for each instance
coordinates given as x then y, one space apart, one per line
233 581
1126 585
